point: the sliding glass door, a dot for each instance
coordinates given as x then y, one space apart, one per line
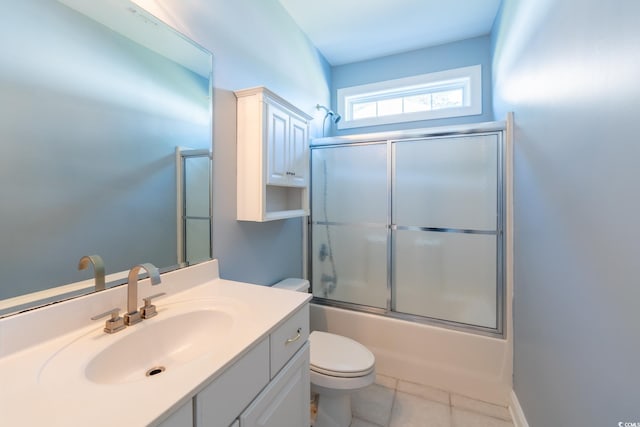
411 228
349 224
445 228
194 234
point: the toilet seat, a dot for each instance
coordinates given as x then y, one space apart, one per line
341 374
339 356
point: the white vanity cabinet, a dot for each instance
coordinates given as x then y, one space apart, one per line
181 417
285 401
272 157
255 390
220 403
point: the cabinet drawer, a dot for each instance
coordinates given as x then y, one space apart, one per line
288 338
220 402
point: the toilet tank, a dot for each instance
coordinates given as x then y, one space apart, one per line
293 284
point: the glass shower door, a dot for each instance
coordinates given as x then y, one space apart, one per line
349 220
445 228
195 193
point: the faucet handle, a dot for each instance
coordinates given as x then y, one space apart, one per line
115 324
149 310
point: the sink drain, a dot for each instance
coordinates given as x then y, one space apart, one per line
155 371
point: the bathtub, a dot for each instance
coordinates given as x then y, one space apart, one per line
472 365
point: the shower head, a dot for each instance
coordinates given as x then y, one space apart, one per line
335 118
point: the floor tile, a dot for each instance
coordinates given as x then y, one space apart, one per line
462 418
357 422
412 411
425 392
385 381
485 408
373 404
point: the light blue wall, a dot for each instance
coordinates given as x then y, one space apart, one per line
438 58
254 43
89 122
569 70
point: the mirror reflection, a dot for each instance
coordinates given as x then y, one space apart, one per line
106 136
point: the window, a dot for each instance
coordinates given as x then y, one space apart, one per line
450 93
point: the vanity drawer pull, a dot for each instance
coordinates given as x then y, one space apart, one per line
296 338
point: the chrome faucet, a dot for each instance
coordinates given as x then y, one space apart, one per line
133 316
98 269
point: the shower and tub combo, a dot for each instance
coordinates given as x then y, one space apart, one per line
407 252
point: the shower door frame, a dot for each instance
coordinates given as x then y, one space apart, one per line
482 129
182 155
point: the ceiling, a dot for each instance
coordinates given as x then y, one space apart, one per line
348 31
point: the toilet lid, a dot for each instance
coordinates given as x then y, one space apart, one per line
339 356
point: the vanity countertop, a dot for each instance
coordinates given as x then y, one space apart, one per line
45 383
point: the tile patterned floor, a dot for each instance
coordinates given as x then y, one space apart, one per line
395 403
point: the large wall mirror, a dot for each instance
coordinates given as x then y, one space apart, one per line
105 132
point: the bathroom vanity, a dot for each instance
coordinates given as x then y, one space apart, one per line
271 381
219 353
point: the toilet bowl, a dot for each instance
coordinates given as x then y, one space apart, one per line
339 366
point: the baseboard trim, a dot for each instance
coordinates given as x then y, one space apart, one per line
515 409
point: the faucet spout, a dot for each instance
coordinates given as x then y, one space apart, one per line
98 269
133 316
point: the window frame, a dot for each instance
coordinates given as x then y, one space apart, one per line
470 78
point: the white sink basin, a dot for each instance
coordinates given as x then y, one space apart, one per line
156 347
160 346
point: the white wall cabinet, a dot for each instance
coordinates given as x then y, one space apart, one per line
272 157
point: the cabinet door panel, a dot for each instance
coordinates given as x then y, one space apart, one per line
222 400
277 141
285 401
181 417
299 152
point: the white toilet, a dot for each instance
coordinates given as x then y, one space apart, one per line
339 367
